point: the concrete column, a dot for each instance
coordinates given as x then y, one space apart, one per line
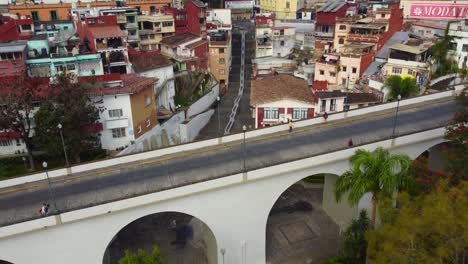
341 212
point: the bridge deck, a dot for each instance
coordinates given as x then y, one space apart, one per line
20 204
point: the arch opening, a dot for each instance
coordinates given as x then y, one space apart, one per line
304 222
181 238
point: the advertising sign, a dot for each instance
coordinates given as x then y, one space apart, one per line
239 4
447 11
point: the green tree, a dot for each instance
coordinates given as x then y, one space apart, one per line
142 257
429 228
397 85
439 53
377 172
355 244
74 110
18 98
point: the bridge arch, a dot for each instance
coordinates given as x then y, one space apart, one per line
172 231
304 215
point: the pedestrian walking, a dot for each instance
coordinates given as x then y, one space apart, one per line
46 210
290 125
325 116
350 142
42 211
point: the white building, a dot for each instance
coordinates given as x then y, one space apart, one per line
129 108
154 65
459 48
284 39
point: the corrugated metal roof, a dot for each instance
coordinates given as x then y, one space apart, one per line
12 47
332 6
398 37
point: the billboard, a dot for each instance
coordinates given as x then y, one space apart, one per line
447 11
239 4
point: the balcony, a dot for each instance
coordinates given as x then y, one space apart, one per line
121 19
321 34
363 38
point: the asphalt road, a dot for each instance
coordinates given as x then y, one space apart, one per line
92 190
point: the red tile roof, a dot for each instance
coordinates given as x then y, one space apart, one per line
429 25
176 40
279 87
145 62
106 32
320 85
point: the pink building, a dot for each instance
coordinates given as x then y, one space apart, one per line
12 57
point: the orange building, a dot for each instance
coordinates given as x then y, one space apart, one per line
61 11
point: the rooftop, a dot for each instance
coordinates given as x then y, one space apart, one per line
106 32
356 98
179 39
408 49
14 46
429 25
198 3
146 61
131 84
332 6
398 37
279 87
197 44
330 94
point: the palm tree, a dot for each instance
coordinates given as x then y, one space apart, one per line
397 85
377 172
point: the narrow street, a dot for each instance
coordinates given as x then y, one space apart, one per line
244 116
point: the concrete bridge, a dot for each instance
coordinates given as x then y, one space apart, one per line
207 181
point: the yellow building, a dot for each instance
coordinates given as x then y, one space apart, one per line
153 29
220 58
283 9
405 60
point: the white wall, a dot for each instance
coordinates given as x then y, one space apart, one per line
225 205
205 102
166 96
13 148
221 15
119 101
189 130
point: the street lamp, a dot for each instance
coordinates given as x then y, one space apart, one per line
63 144
223 251
244 129
396 115
51 196
24 161
219 124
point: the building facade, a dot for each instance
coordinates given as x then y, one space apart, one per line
283 9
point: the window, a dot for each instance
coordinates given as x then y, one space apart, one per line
115 113
53 15
411 72
71 67
282 43
147 100
26 27
304 113
91 21
167 24
354 69
342 27
382 15
396 70
35 16
296 112
346 108
148 122
322 72
340 41
428 31
333 105
332 74
61 68
274 113
18 142
221 61
5 143
221 50
118 132
343 81
323 105
221 71
287 4
152 9
266 113
465 48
